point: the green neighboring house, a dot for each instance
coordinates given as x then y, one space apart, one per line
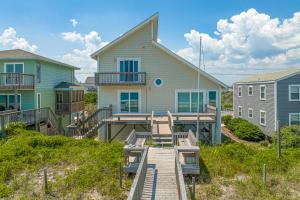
30 81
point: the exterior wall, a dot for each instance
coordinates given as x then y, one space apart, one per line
284 106
256 104
157 64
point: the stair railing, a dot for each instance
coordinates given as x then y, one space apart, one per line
179 178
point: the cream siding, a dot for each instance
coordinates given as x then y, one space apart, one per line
157 64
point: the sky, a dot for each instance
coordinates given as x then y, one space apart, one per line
240 37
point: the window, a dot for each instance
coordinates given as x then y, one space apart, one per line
250 112
7 102
262 117
239 91
158 82
14 67
262 92
129 67
212 98
187 101
129 101
39 100
59 97
38 72
240 111
294 92
250 90
294 118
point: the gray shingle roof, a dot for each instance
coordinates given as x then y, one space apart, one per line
274 76
20 54
64 84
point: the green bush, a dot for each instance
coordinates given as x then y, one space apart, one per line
245 130
14 129
226 119
290 136
90 98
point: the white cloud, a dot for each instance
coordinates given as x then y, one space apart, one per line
10 40
81 57
246 41
74 22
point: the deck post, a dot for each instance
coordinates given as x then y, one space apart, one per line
193 196
278 141
36 120
109 131
16 99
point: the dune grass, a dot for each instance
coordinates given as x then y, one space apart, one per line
77 169
235 171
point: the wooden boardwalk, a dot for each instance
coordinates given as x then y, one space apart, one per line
160 182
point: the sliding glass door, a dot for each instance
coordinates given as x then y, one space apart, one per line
187 101
128 67
7 102
129 101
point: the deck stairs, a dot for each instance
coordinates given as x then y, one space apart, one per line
160 182
161 134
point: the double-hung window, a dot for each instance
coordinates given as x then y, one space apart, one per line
212 98
129 68
187 101
250 112
129 101
250 90
294 119
240 111
239 91
263 92
294 92
263 117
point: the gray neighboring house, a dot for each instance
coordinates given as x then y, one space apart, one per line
265 98
89 85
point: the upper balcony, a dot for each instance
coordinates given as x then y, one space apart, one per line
18 81
120 78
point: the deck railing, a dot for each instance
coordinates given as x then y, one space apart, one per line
138 183
29 117
170 121
120 78
179 178
17 81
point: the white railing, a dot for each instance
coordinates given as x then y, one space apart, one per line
138 183
171 122
179 178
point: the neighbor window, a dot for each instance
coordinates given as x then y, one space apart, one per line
250 112
14 68
294 92
7 102
239 91
294 118
250 90
129 101
128 69
262 92
240 111
38 72
212 98
262 117
187 101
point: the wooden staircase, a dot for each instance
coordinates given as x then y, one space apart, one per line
162 134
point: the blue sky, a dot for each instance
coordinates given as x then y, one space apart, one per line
42 24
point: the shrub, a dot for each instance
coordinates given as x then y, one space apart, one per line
226 119
90 98
245 130
14 129
290 136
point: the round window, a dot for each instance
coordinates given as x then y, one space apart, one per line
158 82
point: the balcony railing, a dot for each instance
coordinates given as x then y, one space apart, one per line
120 78
67 108
18 81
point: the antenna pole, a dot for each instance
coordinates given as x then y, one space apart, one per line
198 86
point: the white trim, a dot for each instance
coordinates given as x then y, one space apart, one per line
37 100
14 95
129 91
240 87
14 63
249 112
297 85
261 86
262 111
250 86
190 91
154 82
290 117
240 107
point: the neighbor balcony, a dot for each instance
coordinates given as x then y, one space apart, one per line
16 81
120 78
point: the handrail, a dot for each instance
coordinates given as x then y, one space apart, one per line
120 78
131 138
17 81
151 122
192 138
138 183
54 121
171 122
179 178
